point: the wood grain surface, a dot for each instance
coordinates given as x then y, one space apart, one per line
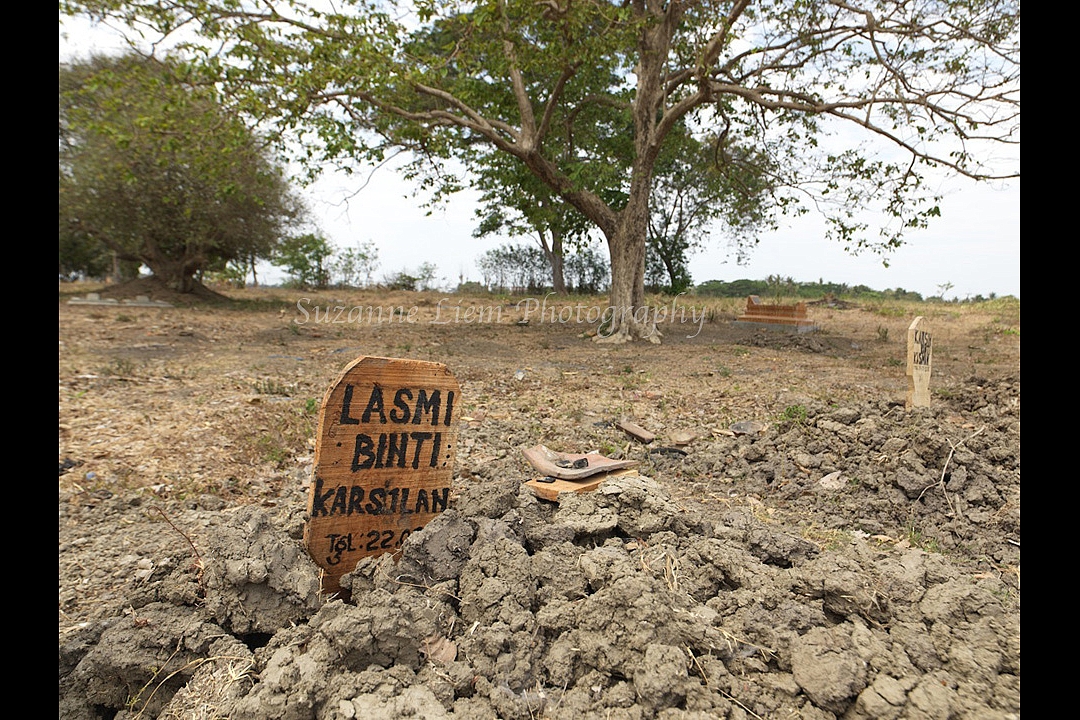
384 459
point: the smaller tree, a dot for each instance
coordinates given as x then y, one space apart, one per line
426 275
587 271
516 268
667 266
353 267
522 206
306 259
400 280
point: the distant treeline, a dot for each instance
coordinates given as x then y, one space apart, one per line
786 287
772 287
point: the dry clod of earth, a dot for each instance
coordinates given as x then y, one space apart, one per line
851 558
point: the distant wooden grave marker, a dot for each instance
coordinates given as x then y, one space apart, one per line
792 318
919 356
384 459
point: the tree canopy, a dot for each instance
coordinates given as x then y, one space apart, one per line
586 96
154 171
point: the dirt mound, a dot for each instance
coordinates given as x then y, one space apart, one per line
624 602
155 289
618 603
849 558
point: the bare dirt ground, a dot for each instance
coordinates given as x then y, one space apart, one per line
854 559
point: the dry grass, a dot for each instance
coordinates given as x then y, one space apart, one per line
211 693
223 399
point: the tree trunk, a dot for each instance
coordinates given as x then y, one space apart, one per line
626 245
673 276
556 260
629 316
177 274
626 230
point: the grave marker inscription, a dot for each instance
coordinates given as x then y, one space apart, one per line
384 459
919 349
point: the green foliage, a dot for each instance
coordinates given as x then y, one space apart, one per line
586 271
516 268
401 280
306 259
667 268
470 287
701 184
515 202
426 275
736 288
793 415
577 103
272 450
918 539
154 170
777 286
81 256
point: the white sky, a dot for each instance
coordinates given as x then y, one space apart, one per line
974 246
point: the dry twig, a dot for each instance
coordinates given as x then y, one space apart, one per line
945 470
182 533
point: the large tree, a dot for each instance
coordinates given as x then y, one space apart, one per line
930 84
153 169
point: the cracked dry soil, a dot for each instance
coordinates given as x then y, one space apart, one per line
855 559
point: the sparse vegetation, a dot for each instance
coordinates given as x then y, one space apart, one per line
792 415
830 539
119 367
269 386
226 380
916 538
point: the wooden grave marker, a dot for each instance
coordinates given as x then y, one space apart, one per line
919 356
384 459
